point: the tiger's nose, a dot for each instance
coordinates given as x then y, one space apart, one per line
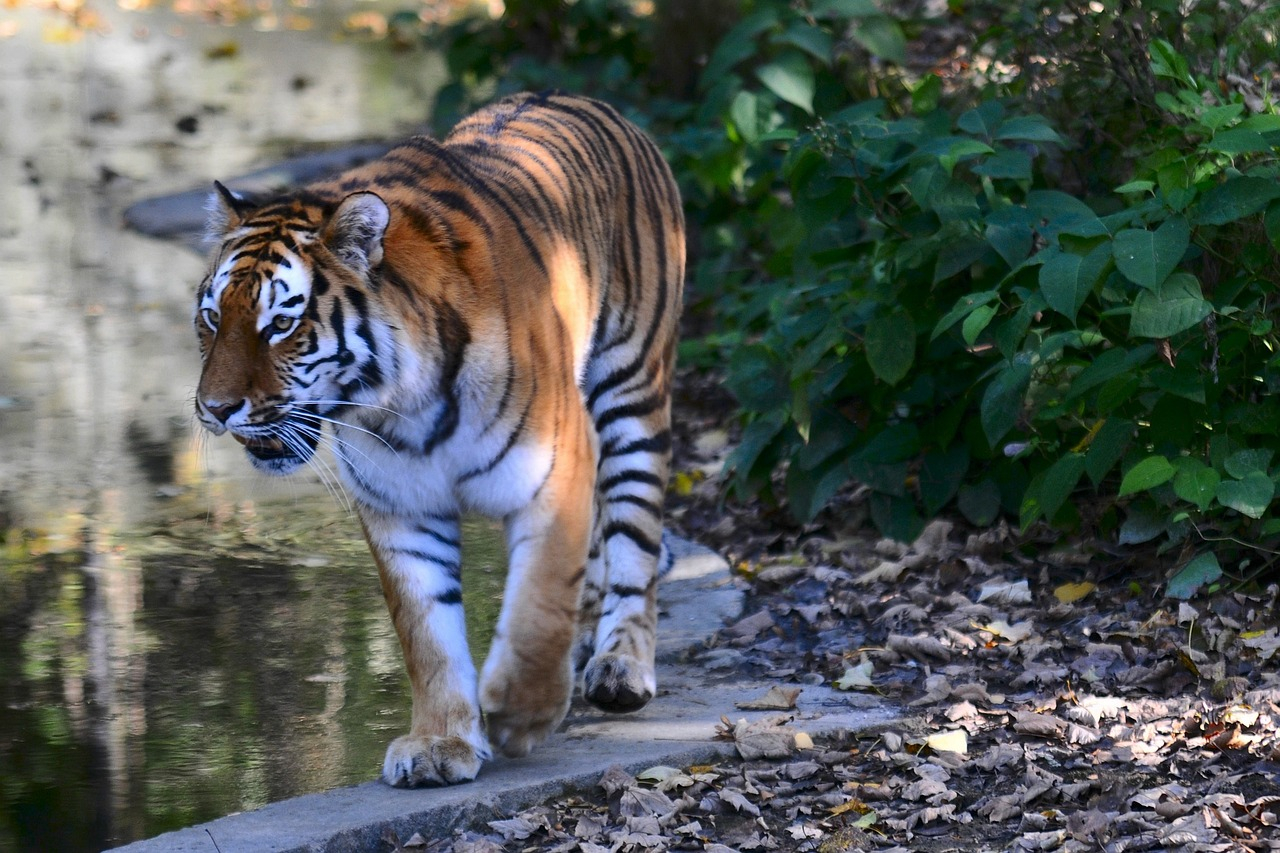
221 411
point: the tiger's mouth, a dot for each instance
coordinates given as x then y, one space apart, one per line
264 447
292 441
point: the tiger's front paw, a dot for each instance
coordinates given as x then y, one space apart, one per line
618 683
521 712
426 760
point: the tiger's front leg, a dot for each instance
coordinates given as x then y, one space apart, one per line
420 566
528 676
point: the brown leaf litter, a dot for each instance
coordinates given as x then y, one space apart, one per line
1054 701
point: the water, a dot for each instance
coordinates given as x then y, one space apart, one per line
179 638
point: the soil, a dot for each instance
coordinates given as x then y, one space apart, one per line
1053 698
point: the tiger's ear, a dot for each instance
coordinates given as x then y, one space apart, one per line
226 211
355 230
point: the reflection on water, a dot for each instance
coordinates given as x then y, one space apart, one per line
207 664
178 639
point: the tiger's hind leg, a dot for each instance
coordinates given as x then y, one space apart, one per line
591 601
634 466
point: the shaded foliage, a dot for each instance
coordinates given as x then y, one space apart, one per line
996 281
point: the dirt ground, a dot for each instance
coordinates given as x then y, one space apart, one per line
1053 698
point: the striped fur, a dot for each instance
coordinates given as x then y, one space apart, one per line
486 324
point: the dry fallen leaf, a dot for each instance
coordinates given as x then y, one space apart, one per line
775 699
665 778
1069 593
956 740
1040 725
857 677
919 647
1003 592
1012 633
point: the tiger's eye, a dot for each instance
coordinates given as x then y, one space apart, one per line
282 323
211 318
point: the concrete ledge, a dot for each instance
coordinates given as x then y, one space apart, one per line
677 728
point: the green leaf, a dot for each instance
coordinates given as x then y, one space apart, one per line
1262 122
941 473
1147 258
1143 523
976 322
1067 279
1029 129
1271 223
1216 117
790 77
895 517
963 307
882 36
1147 474
745 116
1199 571
1176 306
1046 494
980 503
844 8
1065 214
809 491
758 378
982 120
814 41
1239 197
1136 187
1107 447
1186 380
1009 164
1108 365
962 253
1242 463
1195 482
961 149
756 438
1166 62
1011 232
890 346
1002 401
1250 495
925 96
736 46
1237 142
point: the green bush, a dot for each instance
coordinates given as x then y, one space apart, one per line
1002 295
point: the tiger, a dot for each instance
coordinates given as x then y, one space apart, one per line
482 324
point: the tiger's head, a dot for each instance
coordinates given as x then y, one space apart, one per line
283 317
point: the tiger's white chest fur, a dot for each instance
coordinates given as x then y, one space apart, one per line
389 462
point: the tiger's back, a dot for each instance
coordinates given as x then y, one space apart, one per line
488 323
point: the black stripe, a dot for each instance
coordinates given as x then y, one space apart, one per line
452 567
473 182
624 591
635 534
452 338
631 475
657 443
511 439
647 505
438 536
450 596
640 408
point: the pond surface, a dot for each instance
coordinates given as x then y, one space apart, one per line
179 638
